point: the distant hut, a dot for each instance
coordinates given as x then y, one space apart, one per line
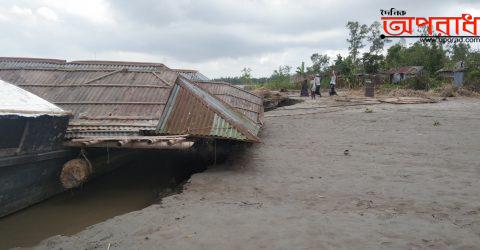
398 75
378 78
361 77
455 74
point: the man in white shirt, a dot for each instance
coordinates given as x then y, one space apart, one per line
333 81
313 87
318 80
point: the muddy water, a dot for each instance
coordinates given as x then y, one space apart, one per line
129 188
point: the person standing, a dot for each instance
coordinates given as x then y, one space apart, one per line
304 91
318 80
313 87
333 81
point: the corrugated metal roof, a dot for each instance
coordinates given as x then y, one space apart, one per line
192 110
243 101
192 75
459 66
116 65
102 99
406 70
126 98
18 62
42 63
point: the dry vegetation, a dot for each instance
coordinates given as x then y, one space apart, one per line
447 90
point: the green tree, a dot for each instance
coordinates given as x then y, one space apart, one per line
395 56
473 60
301 70
377 43
319 63
372 62
472 80
356 36
282 72
246 77
281 75
343 66
459 52
280 78
432 57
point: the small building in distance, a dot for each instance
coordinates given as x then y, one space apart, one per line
400 74
454 74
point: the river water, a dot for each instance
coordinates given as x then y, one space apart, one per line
132 187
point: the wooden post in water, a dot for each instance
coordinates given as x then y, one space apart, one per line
78 171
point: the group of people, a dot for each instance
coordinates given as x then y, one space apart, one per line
315 85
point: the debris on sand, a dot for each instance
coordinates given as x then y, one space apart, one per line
367 110
408 100
272 99
405 93
447 91
355 99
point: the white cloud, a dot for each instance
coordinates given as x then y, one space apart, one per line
26 12
47 14
95 11
218 37
4 18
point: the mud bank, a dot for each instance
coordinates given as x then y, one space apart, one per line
409 179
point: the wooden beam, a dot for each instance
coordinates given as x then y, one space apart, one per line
132 144
161 79
103 76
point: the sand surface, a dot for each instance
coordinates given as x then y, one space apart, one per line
404 184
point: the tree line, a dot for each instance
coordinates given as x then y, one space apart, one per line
433 55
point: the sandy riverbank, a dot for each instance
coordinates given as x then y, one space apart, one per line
405 183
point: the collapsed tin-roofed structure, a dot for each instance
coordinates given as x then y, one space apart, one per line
192 110
242 100
192 75
112 100
88 106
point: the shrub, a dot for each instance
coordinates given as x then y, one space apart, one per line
418 83
472 81
389 86
467 92
435 83
280 84
447 91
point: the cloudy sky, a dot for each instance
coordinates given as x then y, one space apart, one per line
217 37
